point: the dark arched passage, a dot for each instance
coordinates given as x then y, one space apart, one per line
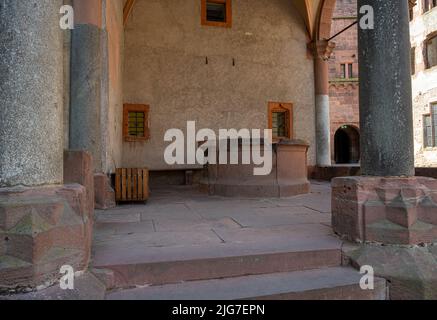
347 145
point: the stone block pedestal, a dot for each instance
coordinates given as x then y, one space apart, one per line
104 193
288 177
399 211
42 229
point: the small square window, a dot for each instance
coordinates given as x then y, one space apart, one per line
217 13
281 120
136 122
279 126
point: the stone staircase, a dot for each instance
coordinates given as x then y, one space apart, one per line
299 268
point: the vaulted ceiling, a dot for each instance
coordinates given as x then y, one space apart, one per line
317 15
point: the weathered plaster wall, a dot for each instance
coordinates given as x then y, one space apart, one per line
165 67
114 116
424 83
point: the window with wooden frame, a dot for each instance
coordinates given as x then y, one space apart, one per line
217 13
281 120
136 122
430 128
431 51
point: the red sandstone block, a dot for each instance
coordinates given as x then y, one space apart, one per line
428 214
36 219
78 168
373 211
50 212
76 197
104 194
404 213
12 213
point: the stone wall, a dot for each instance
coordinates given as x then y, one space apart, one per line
219 77
344 93
424 83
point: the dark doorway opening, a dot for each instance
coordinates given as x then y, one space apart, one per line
347 145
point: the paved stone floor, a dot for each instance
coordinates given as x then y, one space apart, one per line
179 217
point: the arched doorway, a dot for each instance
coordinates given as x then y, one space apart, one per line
347 145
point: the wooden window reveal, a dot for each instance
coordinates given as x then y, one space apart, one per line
217 13
136 122
281 120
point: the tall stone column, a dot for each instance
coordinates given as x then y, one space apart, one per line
30 93
89 99
388 205
386 114
86 80
322 50
42 222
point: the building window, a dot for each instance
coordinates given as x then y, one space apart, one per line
281 120
346 71
411 13
428 5
413 61
136 122
427 131
431 52
343 71
217 13
350 70
430 128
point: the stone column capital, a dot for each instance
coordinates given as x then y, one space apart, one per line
322 49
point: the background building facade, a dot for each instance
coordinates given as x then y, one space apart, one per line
423 28
344 86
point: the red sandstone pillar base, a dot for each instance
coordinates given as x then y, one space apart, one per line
104 194
385 210
42 229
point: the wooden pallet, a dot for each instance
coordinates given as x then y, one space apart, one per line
131 185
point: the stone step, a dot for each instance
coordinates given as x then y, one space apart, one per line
335 283
137 265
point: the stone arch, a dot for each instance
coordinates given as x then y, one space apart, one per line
325 19
347 145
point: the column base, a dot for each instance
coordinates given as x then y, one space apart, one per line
411 271
104 194
42 229
385 210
